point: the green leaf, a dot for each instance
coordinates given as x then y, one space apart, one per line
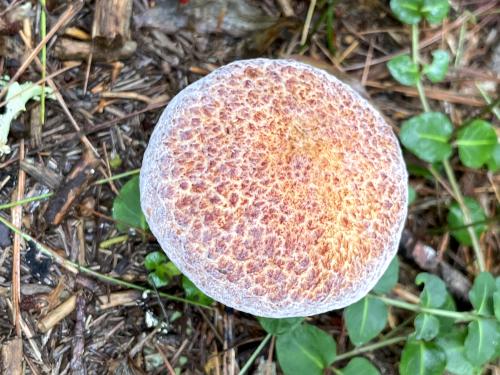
496 299
419 171
17 97
434 293
481 341
446 324
404 70
412 195
456 220
167 270
305 350
365 319
497 351
157 280
496 304
481 293
194 294
115 162
476 143
407 11
494 161
453 345
422 358
426 326
427 136
279 326
389 278
360 366
437 70
435 11
154 259
412 11
127 207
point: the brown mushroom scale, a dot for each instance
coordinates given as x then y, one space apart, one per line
275 188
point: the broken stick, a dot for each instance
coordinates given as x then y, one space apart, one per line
111 27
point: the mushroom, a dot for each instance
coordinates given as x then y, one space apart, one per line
275 188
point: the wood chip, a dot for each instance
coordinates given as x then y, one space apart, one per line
129 297
12 357
58 314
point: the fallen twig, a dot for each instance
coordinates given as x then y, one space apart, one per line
58 314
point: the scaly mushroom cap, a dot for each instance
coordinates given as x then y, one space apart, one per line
275 188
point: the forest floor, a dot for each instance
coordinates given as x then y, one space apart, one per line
106 96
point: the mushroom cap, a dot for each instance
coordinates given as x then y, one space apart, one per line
275 188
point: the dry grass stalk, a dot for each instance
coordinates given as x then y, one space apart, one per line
286 8
17 217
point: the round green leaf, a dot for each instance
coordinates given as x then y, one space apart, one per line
445 323
360 366
481 293
404 70
494 161
420 357
426 327
305 350
481 341
476 143
158 280
435 11
427 136
365 319
456 220
279 326
389 278
407 11
194 294
453 345
154 259
437 70
434 293
167 270
412 11
127 207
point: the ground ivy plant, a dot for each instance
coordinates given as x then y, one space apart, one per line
442 339
162 272
431 135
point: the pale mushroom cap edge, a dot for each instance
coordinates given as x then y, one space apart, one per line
275 188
